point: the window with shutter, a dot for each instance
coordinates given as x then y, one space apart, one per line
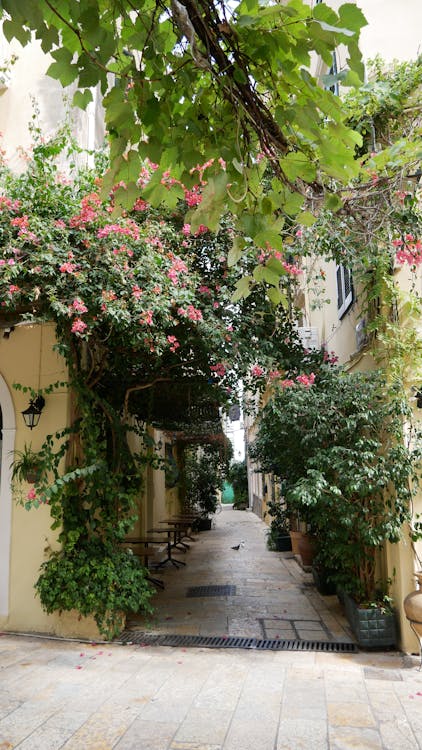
344 290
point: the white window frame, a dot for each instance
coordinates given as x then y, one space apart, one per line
344 289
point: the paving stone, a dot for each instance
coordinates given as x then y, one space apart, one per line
204 725
148 735
302 735
312 635
398 734
349 691
347 738
350 714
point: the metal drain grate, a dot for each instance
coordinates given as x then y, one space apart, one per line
211 591
148 639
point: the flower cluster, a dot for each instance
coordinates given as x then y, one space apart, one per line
408 250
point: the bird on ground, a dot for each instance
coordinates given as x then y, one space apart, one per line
238 546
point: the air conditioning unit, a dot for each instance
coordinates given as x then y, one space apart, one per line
309 337
361 334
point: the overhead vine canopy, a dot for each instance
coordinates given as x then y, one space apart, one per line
142 305
190 80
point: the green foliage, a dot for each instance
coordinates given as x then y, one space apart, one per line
26 463
94 579
338 445
238 478
280 522
205 470
198 80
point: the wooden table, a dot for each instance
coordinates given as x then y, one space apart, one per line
179 528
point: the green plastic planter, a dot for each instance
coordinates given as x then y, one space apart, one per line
373 627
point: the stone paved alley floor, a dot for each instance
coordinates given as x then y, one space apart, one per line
58 695
273 596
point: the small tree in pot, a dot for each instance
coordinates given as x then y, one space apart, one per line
278 535
204 477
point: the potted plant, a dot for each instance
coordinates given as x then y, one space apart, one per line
204 479
373 622
26 465
278 538
238 478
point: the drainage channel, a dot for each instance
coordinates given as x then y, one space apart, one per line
136 637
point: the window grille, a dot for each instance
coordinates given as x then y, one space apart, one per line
344 290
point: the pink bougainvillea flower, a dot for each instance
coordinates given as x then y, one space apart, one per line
140 205
287 383
409 251
274 374
20 221
146 318
173 342
193 197
108 295
219 369
186 229
78 326
89 211
13 288
31 494
193 313
130 229
292 268
79 306
257 371
136 291
178 266
306 380
331 357
67 267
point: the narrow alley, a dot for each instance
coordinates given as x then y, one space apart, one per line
232 585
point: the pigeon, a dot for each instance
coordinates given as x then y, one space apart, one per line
238 546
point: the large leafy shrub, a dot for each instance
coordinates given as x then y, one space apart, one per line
338 445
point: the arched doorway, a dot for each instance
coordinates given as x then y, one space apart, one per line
7 444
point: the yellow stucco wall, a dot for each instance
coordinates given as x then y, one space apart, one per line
27 357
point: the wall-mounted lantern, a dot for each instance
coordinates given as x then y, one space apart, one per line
32 414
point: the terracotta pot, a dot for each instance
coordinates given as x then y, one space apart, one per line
413 607
295 536
307 550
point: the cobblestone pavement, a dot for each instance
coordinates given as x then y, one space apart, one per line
83 696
